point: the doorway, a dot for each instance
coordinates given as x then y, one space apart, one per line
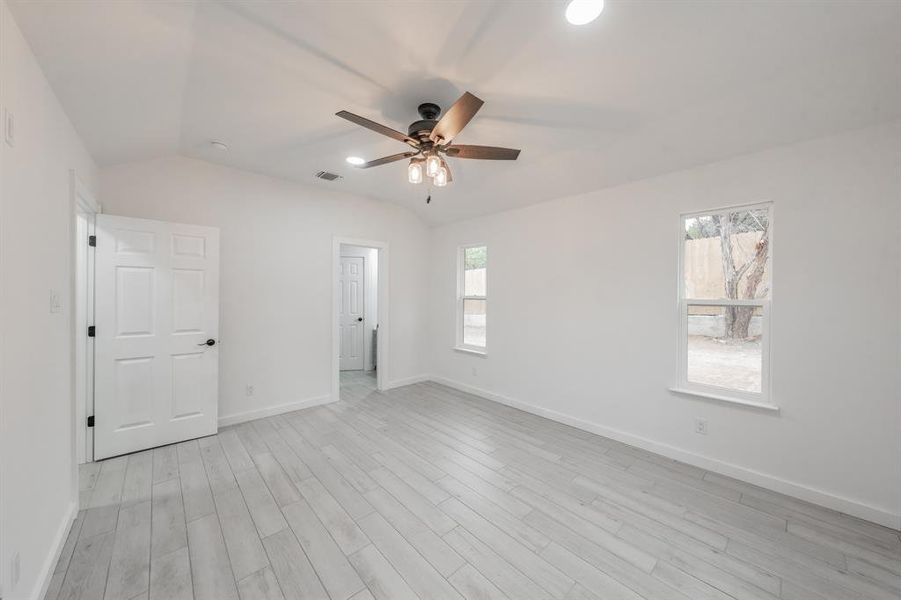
360 312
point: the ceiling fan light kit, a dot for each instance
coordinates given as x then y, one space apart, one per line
414 171
431 137
432 164
440 178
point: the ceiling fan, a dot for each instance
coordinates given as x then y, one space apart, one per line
430 138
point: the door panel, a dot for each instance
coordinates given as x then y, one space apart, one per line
350 317
134 301
134 242
189 374
187 300
157 302
188 245
134 389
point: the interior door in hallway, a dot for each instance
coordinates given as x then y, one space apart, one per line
350 315
157 328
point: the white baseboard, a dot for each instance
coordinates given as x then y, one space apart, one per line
820 497
407 381
49 566
269 411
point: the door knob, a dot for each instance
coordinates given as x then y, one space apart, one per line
359 318
209 342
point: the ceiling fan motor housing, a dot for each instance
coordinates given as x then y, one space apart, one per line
429 112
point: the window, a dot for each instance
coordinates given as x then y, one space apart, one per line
724 303
472 298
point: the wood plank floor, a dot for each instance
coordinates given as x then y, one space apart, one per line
426 492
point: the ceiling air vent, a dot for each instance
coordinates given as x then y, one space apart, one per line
327 176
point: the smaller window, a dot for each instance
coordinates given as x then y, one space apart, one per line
472 298
725 298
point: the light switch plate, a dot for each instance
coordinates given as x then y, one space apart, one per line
15 571
55 304
9 127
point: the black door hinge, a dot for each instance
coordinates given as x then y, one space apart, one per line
91 330
91 421
92 240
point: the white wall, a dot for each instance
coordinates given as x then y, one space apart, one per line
276 281
36 477
594 340
370 296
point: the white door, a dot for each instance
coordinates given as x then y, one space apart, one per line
350 313
157 324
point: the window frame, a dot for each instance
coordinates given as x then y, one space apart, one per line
763 399
461 297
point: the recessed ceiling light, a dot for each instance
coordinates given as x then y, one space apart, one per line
220 146
581 12
355 160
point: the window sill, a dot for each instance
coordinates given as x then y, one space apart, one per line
722 398
475 351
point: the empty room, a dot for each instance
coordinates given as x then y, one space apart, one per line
450 300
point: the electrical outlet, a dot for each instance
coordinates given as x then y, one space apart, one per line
248 390
701 426
15 571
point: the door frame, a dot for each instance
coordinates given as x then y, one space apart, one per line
382 358
83 204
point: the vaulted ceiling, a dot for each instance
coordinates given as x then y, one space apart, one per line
648 88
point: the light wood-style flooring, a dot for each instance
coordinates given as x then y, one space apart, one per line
427 492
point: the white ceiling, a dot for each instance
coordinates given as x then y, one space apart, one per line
648 88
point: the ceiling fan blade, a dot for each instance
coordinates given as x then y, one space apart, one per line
482 152
456 118
377 127
446 166
387 159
